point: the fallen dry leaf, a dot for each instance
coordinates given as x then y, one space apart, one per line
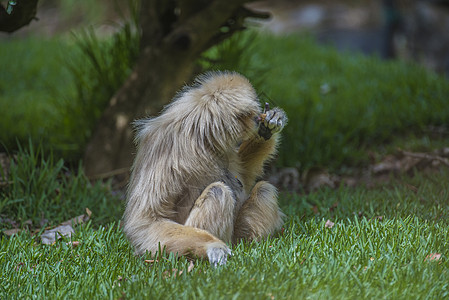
10 232
74 244
150 261
425 156
190 267
173 273
389 164
329 224
50 236
88 212
79 219
76 221
433 257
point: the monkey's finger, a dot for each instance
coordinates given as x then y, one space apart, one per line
273 122
279 125
267 107
268 117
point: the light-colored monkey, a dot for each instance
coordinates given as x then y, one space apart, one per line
193 185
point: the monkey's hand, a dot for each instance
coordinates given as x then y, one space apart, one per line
272 121
218 254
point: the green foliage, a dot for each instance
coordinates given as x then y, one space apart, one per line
31 82
236 54
44 189
58 101
358 257
339 105
98 73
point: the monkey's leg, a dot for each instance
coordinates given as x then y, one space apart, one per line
260 216
178 239
213 211
211 218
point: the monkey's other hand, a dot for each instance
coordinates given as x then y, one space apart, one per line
218 254
273 121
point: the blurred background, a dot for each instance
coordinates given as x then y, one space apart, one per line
405 29
414 30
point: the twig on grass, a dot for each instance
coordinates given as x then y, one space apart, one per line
427 156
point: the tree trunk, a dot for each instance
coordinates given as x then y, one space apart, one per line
17 14
174 34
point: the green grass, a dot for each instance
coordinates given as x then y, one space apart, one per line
33 81
43 189
361 256
55 89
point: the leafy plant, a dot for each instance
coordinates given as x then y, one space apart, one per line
236 54
42 189
98 73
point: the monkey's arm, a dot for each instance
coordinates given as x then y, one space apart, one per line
253 153
256 150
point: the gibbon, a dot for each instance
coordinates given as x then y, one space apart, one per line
193 186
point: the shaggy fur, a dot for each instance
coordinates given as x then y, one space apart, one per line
193 184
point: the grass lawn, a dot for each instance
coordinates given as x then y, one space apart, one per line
34 81
385 242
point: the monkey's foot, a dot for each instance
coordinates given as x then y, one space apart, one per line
218 254
273 121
